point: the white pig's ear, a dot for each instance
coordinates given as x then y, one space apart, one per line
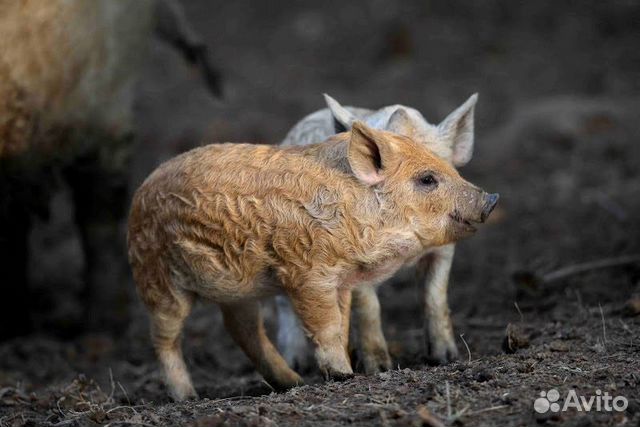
399 122
367 153
341 115
457 130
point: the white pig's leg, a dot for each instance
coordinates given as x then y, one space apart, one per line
433 271
291 339
320 309
244 322
344 302
373 346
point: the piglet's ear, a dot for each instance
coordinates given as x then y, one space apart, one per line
368 150
457 131
341 115
400 122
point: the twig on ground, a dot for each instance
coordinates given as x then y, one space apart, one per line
604 327
625 327
519 312
117 408
452 417
113 385
446 384
466 345
459 414
126 396
58 406
428 418
480 411
571 270
226 399
574 370
268 385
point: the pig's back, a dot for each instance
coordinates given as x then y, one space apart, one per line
244 169
318 126
255 183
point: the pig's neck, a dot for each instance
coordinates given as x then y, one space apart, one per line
377 236
332 153
376 250
382 240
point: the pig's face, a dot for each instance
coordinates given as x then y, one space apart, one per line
416 187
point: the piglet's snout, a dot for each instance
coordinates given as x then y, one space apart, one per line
489 201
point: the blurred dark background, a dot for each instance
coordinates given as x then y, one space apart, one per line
278 59
557 135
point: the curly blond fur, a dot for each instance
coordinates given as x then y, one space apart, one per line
233 223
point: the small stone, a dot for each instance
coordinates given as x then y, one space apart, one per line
559 346
241 409
385 376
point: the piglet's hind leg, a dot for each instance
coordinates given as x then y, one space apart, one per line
166 328
244 323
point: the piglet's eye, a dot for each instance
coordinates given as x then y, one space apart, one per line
428 180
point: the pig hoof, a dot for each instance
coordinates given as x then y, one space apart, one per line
339 376
289 383
181 394
334 364
442 355
376 362
342 373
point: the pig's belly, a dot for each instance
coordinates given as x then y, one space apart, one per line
225 289
371 276
208 273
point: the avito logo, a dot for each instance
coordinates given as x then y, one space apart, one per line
550 401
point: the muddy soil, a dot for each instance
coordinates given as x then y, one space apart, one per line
557 135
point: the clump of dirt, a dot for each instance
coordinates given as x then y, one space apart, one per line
515 338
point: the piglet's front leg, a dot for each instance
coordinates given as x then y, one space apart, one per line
433 272
321 309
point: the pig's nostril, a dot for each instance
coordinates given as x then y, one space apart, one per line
490 201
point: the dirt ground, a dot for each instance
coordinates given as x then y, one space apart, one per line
557 135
